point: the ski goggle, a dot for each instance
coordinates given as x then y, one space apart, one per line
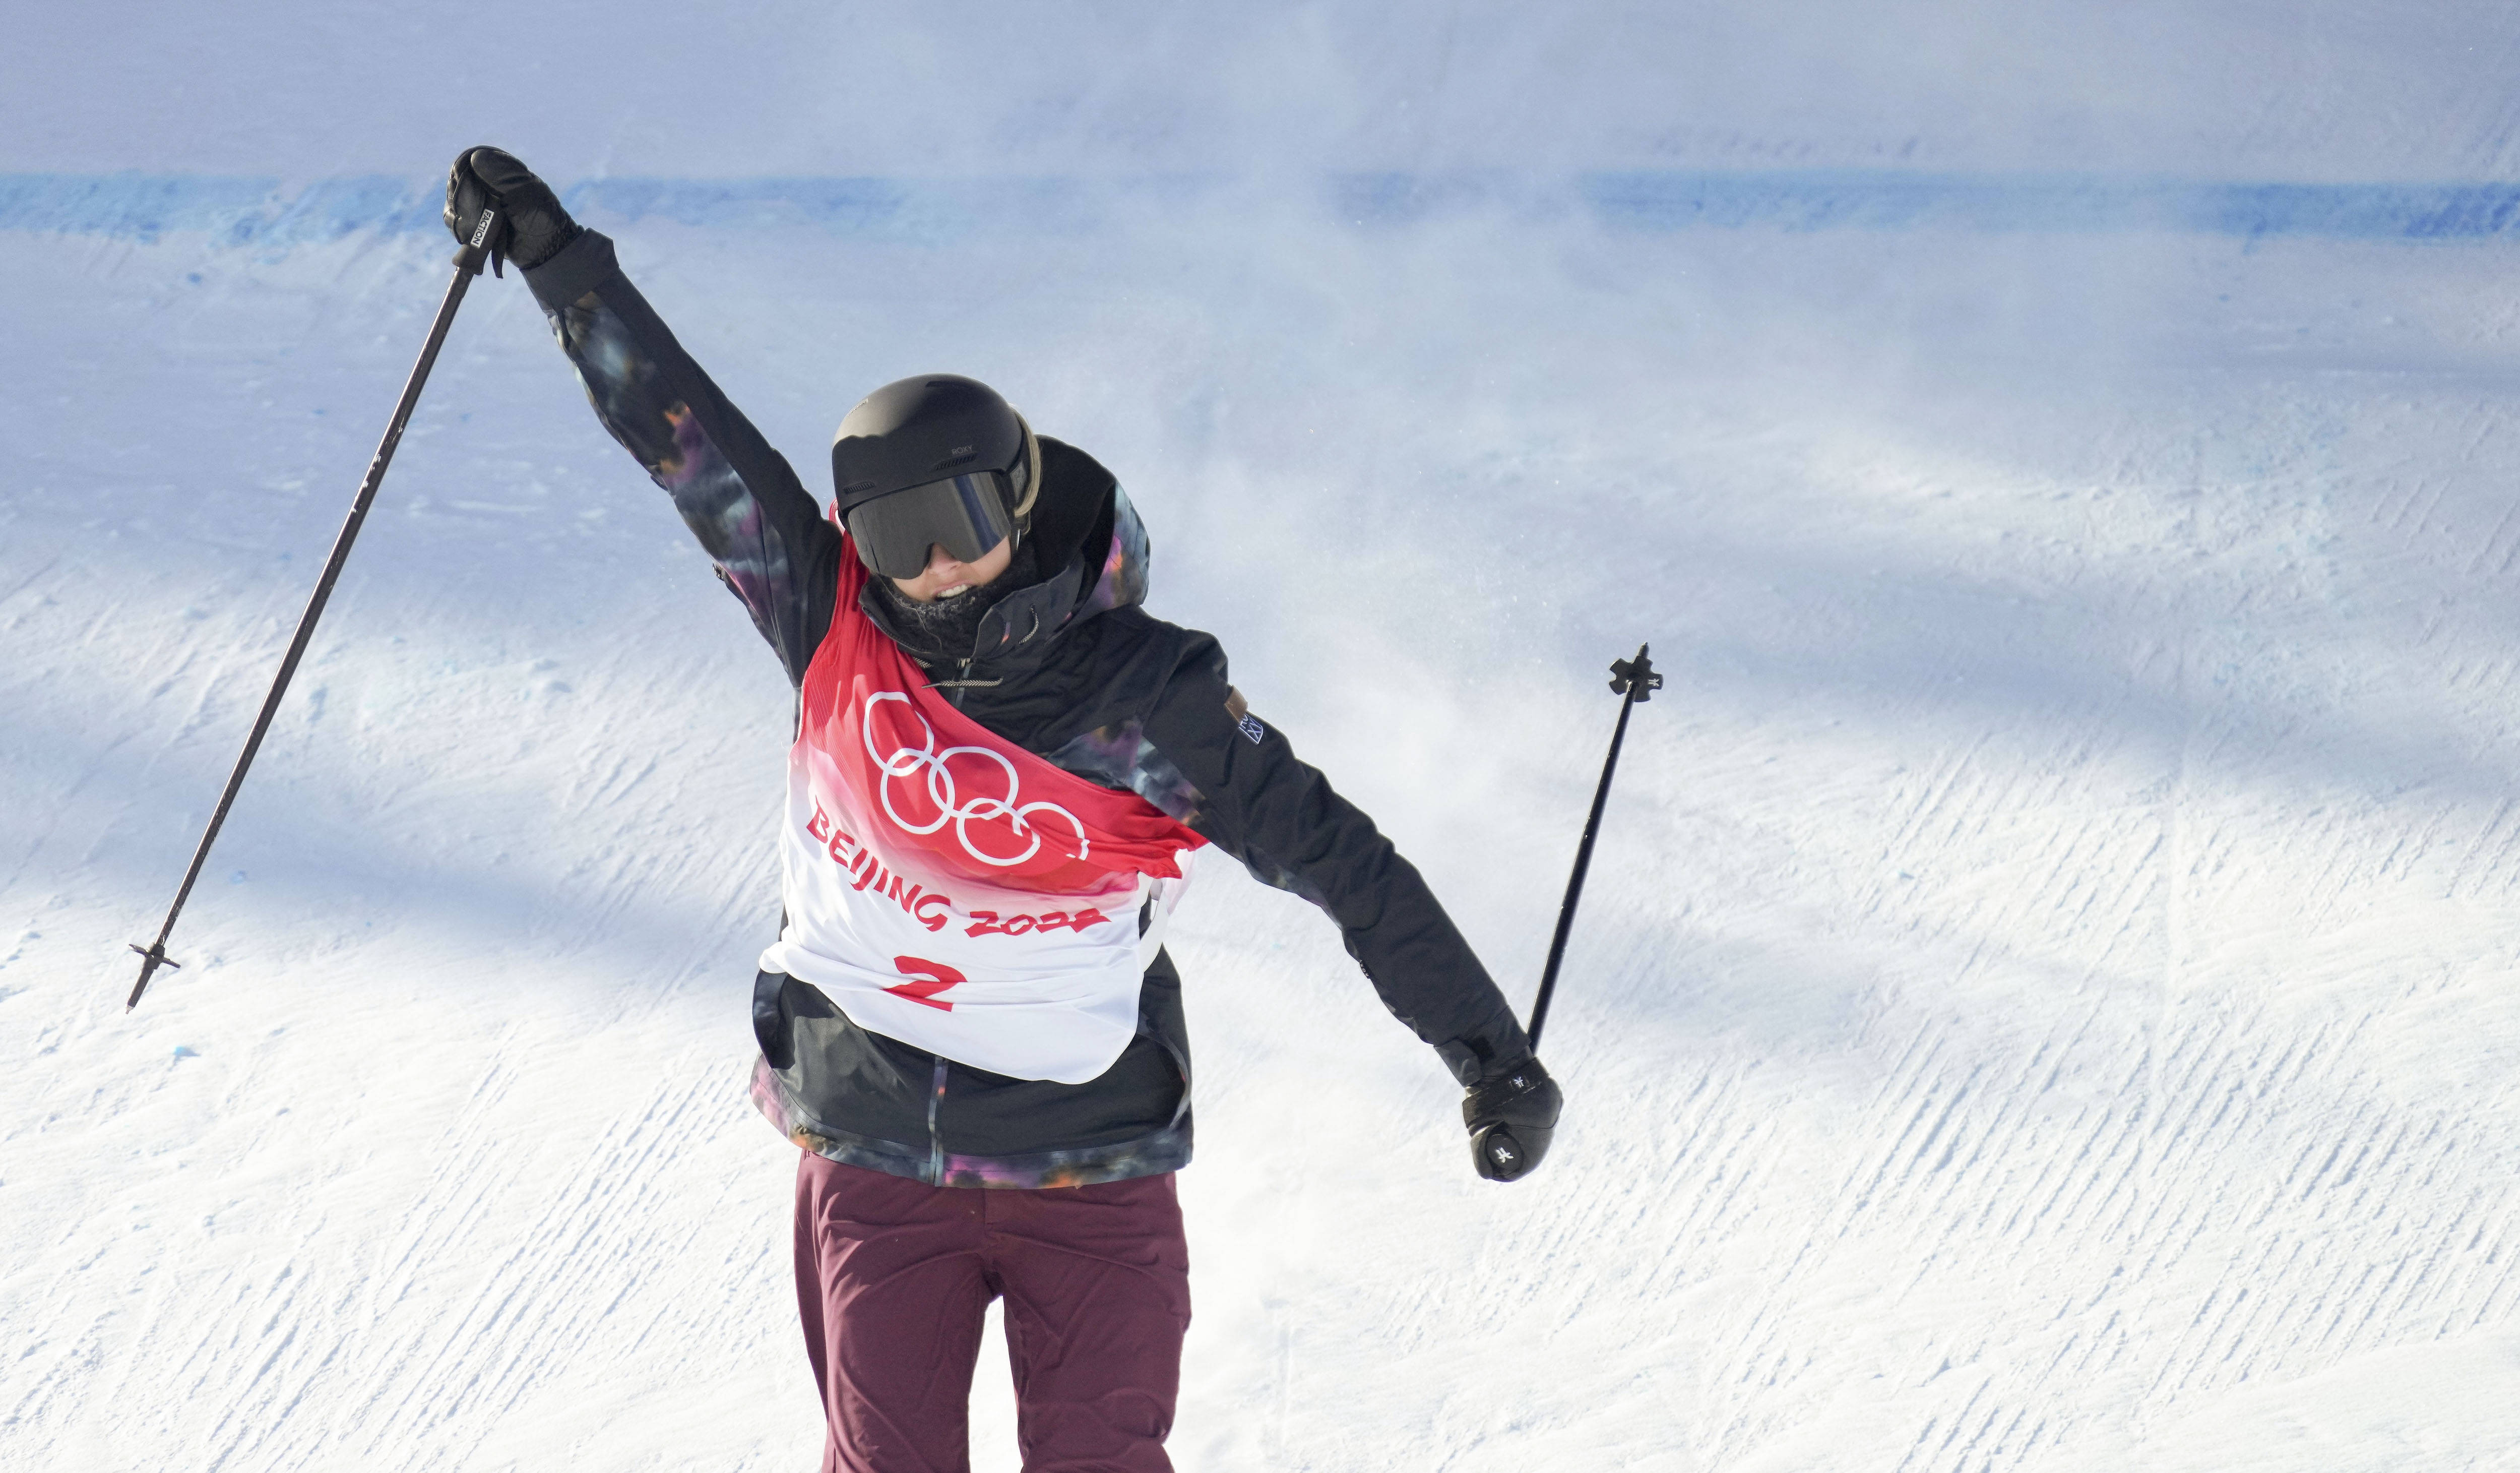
966 514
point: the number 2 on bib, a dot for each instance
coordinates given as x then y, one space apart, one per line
933 977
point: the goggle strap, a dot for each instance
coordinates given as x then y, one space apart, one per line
1032 471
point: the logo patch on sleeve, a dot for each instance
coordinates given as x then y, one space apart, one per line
1241 711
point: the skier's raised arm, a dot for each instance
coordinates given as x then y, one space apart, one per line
739 496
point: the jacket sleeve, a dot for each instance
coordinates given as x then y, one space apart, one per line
739 497
1264 806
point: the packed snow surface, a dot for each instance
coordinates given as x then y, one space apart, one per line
2046 995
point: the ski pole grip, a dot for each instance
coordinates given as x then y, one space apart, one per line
474 254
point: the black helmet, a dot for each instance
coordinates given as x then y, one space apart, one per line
938 459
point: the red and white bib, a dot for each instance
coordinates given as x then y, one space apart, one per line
950 889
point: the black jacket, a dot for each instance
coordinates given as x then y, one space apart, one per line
1110 693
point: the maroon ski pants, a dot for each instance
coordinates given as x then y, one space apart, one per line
893 1279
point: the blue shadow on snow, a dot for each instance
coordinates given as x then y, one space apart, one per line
240 211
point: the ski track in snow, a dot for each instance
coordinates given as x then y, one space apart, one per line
2043 996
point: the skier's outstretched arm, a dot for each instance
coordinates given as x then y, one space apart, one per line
739 496
1265 807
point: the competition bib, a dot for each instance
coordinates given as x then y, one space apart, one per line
950 889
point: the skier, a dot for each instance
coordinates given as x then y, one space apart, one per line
1002 774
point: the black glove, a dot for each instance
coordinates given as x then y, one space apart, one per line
531 227
1511 1114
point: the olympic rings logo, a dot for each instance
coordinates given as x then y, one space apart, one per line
950 808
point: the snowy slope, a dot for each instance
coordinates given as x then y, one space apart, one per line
2046 995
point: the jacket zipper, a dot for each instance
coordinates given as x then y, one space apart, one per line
935 1141
936 1091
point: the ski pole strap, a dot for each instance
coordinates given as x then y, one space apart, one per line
473 252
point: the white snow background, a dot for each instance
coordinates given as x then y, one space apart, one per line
2045 998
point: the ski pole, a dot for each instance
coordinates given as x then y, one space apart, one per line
1637 681
469 258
